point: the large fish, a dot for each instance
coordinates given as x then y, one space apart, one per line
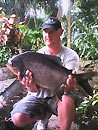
48 71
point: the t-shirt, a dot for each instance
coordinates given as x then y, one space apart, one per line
69 59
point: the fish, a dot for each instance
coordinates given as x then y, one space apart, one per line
48 72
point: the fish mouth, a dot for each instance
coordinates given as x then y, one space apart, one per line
13 69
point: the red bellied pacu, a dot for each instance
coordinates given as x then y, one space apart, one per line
48 72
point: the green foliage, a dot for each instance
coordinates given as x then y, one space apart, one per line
31 40
89 106
5 54
20 7
85 30
89 11
31 24
50 6
13 38
85 41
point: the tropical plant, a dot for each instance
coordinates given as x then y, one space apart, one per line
20 7
85 32
89 106
31 40
86 41
10 35
5 54
89 11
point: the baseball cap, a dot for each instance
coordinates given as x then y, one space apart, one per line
52 23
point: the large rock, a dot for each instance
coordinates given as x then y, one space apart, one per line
9 91
9 86
5 74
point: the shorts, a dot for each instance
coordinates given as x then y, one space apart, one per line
37 106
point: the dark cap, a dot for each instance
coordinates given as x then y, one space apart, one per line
52 23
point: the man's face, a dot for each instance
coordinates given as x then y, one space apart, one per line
51 37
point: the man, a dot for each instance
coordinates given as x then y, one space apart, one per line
41 103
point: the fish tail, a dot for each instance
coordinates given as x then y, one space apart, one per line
82 80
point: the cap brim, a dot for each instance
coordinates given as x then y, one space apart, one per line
50 27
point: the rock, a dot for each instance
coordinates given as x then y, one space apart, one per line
5 74
5 84
74 126
53 123
9 86
13 89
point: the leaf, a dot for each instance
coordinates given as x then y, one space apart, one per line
94 102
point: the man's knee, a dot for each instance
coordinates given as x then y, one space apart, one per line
19 119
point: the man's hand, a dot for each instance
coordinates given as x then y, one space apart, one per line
71 83
28 83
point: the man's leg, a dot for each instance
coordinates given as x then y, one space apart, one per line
21 120
66 112
28 110
52 106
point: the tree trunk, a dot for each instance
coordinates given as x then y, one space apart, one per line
69 25
59 14
21 11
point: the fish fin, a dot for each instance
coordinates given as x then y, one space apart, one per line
60 91
57 60
54 59
82 80
86 87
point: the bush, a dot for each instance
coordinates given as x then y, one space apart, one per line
89 106
85 41
31 40
10 35
5 54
